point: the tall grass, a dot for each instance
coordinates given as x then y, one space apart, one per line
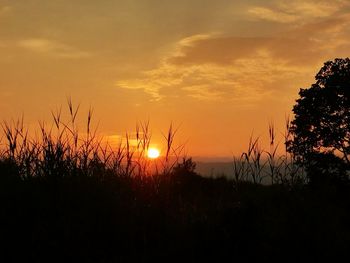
270 166
61 149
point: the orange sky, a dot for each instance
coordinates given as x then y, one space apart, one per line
219 69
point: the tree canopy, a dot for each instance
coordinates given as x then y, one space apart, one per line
322 115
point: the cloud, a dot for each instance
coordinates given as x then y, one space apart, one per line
272 15
244 81
313 9
303 45
297 10
244 70
226 50
51 47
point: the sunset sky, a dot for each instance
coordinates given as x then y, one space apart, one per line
216 69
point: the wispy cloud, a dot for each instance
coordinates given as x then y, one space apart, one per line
242 69
265 13
297 10
51 47
244 80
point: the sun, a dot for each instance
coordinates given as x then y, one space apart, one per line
153 153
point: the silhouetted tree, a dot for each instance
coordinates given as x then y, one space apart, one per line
326 169
322 120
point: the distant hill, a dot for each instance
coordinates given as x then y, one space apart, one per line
224 168
215 169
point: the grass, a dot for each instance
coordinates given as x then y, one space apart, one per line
61 149
258 165
69 196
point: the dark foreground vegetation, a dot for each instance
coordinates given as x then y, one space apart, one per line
104 218
67 197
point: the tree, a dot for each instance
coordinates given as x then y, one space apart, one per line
322 117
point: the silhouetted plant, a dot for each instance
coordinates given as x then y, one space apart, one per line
322 118
188 166
268 166
62 150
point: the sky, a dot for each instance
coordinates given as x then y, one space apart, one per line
218 70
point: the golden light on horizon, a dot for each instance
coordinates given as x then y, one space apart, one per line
153 153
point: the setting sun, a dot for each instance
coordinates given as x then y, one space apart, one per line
153 153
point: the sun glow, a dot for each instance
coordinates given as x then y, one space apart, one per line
153 153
